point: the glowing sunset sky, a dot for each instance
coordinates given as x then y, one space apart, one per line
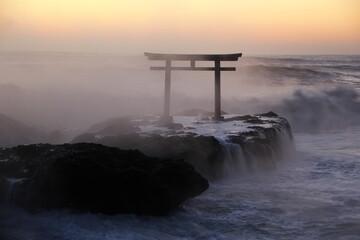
134 26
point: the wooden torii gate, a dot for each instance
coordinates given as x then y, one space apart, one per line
217 58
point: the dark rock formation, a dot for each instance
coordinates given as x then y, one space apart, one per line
203 152
264 145
268 114
91 177
267 138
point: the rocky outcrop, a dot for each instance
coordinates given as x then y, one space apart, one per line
91 177
263 146
203 152
263 139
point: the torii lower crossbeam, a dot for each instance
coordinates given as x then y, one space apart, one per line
216 58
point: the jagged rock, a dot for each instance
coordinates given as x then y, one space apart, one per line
263 146
268 114
254 119
91 177
248 118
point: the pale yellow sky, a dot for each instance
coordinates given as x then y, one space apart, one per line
134 26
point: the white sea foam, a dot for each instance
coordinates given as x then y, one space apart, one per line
11 182
220 129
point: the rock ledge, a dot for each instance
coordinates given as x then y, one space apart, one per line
93 178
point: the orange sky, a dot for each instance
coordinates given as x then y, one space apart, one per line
134 26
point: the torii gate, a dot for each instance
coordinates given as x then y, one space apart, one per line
217 58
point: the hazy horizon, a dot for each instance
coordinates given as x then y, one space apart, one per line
141 54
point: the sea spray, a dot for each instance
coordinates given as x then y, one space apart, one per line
321 110
11 182
285 142
234 159
279 146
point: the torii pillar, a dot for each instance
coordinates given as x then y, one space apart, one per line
216 58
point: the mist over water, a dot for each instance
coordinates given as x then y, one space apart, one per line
63 90
313 195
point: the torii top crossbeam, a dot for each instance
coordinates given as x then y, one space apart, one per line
217 58
196 57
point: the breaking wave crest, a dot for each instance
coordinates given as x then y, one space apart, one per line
274 73
328 109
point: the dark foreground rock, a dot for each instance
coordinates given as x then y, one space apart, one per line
91 177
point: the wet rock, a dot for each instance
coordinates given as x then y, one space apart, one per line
267 138
268 114
253 119
197 112
56 136
264 146
94 178
241 118
172 125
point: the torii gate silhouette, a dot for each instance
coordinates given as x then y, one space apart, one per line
217 58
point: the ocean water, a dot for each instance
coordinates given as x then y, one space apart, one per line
314 194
